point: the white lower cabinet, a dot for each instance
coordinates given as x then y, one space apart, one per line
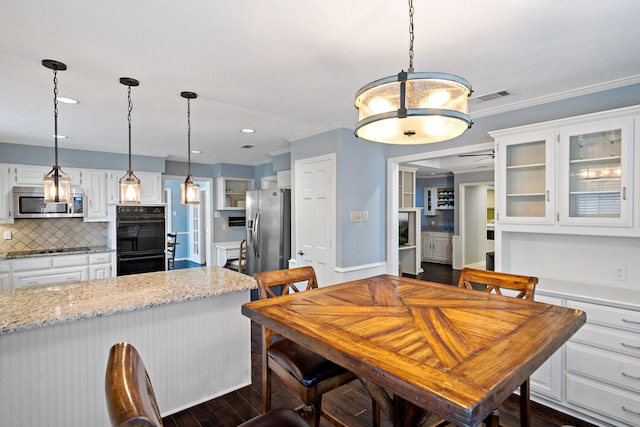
47 270
5 279
436 246
100 266
600 381
547 380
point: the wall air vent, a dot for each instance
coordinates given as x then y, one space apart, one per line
489 96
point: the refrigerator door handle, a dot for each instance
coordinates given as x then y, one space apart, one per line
256 234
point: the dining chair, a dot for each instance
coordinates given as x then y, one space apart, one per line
239 264
507 284
310 374
172 242
131 401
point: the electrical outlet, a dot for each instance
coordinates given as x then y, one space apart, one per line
620 273
365 216
7 235
356 216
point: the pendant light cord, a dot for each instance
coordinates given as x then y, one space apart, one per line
189 137
410 36
129 120
55 118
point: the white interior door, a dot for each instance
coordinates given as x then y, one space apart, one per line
315 215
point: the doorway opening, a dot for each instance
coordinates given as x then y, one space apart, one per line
437 160
192 223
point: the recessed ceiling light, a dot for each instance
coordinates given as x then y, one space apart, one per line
59 136
67 100
247 146
247 130
196 151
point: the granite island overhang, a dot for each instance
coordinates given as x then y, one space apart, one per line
54 342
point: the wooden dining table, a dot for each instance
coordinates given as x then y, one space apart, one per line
420 347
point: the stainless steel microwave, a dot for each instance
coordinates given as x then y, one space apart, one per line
28 202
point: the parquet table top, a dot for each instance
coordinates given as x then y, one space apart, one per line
454 352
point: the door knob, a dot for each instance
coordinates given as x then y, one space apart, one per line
300 253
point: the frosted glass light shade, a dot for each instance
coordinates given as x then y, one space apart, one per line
129 188
57 187
413 108
189 192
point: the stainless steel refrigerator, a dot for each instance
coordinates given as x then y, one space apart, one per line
268 230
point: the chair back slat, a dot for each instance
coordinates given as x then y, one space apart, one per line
289 279
494 282
131 401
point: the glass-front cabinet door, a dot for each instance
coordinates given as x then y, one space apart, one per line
594 172
525 180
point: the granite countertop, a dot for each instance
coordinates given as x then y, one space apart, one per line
437 229
38 306
54 252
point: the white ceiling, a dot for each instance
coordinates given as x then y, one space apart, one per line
284 67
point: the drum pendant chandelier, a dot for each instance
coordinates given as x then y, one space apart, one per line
190 190
413 108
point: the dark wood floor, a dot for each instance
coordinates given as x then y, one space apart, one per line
350 403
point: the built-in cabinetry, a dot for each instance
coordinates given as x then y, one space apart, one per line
101 188
601 373
409 247
430 200
573 172
45 270
5 279
232 192
407 188
6 216
445 198
436 246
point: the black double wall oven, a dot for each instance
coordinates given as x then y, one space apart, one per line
141 239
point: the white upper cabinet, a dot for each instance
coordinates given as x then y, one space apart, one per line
6 215
594 172
574 172
34 174
407 188
232 193
95 195
525 176
150 182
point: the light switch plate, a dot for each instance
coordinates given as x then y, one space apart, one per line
356 216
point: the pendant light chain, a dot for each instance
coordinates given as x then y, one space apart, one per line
410 36
189 136
130 108
55 114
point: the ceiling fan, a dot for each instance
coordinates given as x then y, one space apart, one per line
482 156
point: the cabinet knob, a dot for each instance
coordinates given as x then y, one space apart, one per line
300 253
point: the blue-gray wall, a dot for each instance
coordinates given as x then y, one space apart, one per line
360 185
37 155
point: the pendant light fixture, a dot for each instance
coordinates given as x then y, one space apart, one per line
190 190
129 183
413 108
57 185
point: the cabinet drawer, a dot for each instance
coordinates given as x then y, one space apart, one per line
615 369
609 339
28 264
609 316
70 261
100 258
599 398
47 277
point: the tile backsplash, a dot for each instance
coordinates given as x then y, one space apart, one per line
34 234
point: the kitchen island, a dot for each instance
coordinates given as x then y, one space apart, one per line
54 342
